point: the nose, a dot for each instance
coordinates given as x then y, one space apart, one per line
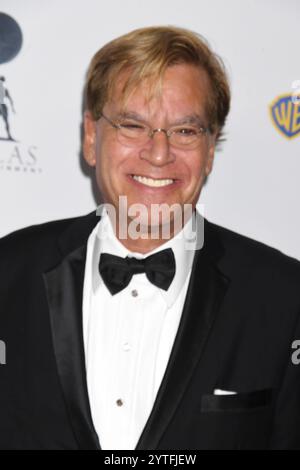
158 151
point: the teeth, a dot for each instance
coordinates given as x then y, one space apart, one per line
152 182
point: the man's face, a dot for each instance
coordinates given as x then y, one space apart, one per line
183 99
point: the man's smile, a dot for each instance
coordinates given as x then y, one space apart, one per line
153 182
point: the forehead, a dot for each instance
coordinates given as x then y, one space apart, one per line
183 88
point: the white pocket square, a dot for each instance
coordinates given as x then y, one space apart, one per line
218 391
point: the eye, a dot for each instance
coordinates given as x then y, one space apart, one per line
130 125
186 131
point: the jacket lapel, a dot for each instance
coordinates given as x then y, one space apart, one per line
64 288
204 297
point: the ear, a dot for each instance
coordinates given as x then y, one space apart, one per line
89 139
211 154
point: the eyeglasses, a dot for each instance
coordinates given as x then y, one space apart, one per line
132 133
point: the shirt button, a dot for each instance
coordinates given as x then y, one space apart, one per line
134 293
126 346
119 402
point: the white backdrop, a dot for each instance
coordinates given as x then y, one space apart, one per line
254 187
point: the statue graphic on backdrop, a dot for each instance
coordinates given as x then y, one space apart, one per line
5 96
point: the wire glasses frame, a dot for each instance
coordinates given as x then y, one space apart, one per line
132 133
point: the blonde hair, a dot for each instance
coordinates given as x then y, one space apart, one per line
146 53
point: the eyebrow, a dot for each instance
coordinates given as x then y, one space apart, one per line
194 119
190 119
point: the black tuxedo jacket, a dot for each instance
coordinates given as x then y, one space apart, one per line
240 318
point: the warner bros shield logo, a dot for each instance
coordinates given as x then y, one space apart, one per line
285 115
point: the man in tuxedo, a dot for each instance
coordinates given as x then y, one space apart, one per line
119 336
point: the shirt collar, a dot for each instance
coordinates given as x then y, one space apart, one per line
103 239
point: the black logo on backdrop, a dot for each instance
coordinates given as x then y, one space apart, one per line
10 44
5 96
15 156
10 38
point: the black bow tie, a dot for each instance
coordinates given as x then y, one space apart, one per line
117 272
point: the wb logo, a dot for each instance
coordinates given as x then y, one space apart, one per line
285 114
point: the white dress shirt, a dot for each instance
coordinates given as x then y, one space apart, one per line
128 337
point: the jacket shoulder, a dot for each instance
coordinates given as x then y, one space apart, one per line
249 254
39 242
35 234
